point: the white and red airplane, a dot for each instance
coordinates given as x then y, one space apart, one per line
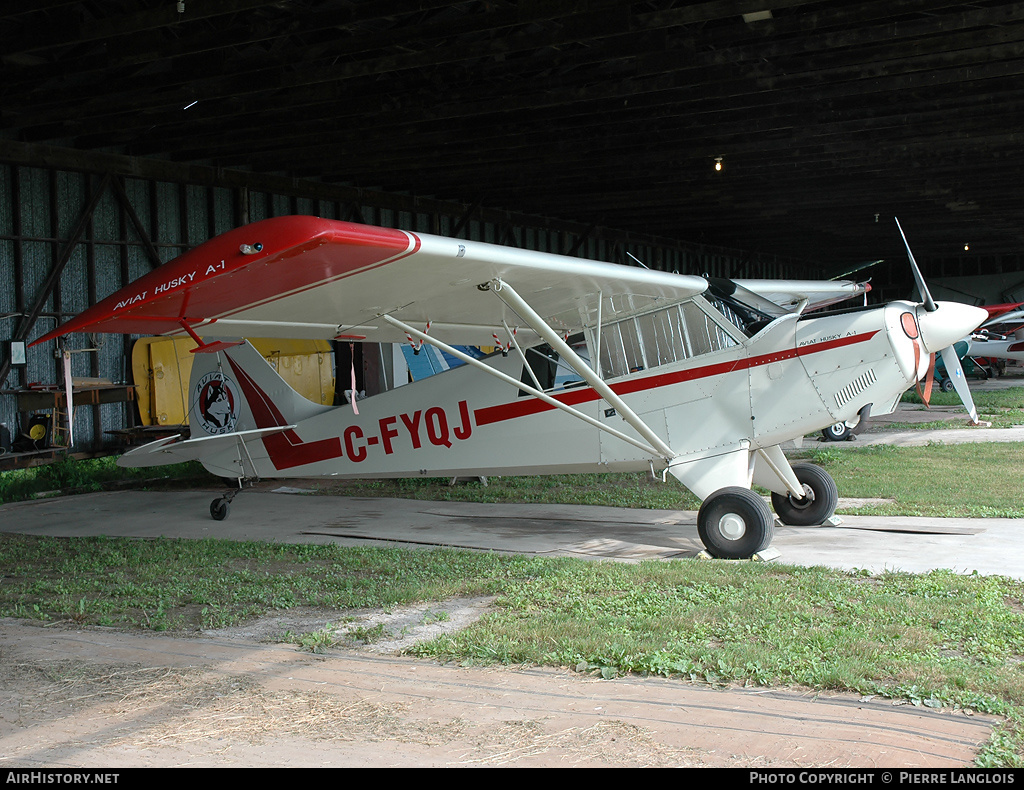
673 373
996 347
1001 336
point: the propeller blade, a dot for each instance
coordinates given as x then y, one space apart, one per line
956 375
926 297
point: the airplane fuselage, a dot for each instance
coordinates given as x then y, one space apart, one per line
796 376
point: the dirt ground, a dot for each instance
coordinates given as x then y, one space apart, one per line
100 698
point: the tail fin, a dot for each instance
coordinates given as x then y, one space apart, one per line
235 389
237 401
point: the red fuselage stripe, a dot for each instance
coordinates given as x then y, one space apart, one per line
287 450
527 406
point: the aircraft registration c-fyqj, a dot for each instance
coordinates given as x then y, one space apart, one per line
601 367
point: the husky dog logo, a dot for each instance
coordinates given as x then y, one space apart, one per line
217 403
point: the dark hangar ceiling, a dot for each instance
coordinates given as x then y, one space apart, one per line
825 114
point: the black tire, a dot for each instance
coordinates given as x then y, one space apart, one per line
219 509
946 385
735 523
837 432
819 504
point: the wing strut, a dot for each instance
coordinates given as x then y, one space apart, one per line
203 347
508 295
524 387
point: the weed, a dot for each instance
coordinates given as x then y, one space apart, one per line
825 456
318 641
367 636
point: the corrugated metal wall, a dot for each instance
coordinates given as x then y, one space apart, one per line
127 225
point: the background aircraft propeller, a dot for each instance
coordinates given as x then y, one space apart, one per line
931 326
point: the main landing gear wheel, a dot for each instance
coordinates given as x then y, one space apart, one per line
818 504
735 523
839 432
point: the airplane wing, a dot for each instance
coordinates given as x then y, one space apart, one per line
310 278
787 295
1003 313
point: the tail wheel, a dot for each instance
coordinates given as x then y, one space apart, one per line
735 523
818 504
219 509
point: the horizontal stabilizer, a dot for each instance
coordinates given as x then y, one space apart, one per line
174 450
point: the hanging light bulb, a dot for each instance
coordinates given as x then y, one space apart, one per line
718 164
967 247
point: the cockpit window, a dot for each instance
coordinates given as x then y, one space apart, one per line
660 338
650 340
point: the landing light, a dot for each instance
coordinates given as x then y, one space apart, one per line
909 325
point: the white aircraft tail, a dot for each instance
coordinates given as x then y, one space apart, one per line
236 400
235 389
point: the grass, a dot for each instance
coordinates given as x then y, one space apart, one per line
1002 408
185 585
943 481
70 475
939 639
613 490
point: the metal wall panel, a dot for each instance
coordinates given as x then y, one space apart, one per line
168 220
198 215
223 202
8 306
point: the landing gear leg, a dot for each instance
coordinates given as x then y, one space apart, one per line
735 523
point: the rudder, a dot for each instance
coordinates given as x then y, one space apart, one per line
235 389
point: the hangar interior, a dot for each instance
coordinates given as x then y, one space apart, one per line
736 139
